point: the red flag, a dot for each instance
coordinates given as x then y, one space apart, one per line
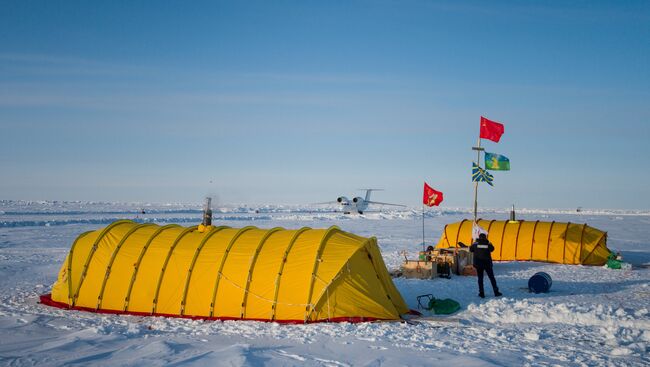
491 130
431 196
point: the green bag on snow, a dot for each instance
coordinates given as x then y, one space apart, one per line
443 306
612 262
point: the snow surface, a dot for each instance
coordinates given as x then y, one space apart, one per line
593 316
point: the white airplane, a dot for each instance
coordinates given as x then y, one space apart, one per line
357 204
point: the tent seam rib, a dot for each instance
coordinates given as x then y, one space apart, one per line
223 262
548 242
164 267
112 260
93 249
310 308
188 279
252 265
69 271
281 270
136 266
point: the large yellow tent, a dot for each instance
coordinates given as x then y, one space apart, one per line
304 275
555 242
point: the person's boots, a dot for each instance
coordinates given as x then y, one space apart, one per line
482 295
497 293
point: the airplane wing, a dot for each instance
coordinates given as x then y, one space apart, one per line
378 202
326 202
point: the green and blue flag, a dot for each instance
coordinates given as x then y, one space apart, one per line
496 162
481 175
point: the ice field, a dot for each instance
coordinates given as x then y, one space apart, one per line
593 316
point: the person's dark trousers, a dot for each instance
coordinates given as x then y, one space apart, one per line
490 274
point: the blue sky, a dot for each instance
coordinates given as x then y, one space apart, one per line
302 101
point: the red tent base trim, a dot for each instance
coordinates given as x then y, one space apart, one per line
46 299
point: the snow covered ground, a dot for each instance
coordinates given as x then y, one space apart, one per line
592 317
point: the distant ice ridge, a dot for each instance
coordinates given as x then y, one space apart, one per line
108 220
55 213
9 207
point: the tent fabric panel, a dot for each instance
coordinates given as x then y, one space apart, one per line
599 257
524 240
204 273
598 252
144 285
337 248
458 233
573 236
68 277
232 283
122 268
495 236
280 272
262 286
540 246
557 243
356 294
80 254
251 269
380 268
97 262
173 277
60 287
589 251
296 276
209 232
509 237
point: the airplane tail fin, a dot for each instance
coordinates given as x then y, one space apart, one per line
368 191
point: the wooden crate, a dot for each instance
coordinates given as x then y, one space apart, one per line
419 269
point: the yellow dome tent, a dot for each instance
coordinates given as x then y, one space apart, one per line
554 242
304 275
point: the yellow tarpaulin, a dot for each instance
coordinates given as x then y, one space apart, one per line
555 242
303 275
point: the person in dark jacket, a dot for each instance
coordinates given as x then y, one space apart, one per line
483 262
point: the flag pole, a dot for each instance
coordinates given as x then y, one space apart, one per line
423 228
478 150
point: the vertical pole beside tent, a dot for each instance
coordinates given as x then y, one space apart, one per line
423 228
478 162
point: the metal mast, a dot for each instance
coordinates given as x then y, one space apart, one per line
478 150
